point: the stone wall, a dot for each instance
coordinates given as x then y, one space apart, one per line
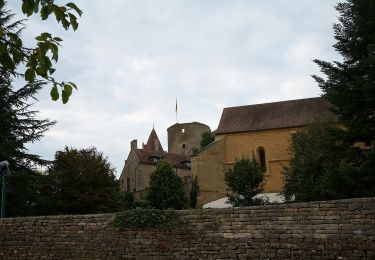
276 144
321 230
186 137
138 174
208 166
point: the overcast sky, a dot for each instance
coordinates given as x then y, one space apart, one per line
132 59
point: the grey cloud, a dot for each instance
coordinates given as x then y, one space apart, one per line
131 59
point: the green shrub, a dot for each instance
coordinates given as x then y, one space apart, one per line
143 218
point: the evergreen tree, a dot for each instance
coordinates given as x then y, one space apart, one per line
316 151
19 126
350 84
207 138
194 193
166 188
324 166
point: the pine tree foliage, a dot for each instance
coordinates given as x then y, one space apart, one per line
20 126
194 191
207 138
325 166
350 84
19 123
166 188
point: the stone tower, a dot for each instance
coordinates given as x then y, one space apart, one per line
186 137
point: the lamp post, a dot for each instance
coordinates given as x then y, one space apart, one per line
4 171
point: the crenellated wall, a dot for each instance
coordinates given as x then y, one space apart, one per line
342 229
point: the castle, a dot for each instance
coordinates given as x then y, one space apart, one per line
262 130
183 140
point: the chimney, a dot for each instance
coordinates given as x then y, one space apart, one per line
133 144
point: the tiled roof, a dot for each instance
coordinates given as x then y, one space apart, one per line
176 160
153 142
284 114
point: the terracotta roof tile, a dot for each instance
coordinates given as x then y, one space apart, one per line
176 160
284 114
153 142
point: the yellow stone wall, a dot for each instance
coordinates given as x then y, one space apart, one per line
209 165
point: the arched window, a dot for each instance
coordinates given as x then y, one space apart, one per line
262 158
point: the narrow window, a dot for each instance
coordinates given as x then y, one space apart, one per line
262 158
127 184
183 146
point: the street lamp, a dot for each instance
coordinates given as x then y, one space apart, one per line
4 171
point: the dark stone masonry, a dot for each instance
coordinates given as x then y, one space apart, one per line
342 229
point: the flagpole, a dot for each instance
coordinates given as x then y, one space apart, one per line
176 111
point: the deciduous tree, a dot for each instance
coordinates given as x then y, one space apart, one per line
82 181
37 62
244 180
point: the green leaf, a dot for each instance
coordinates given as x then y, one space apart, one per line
36 6
57 39
73 6
55 51
17 55
54 93
45 12
41 71
65 23
28 7
39 38
45 62
25 7
73 21
46 35
68 88
73 85
29 75
66 93
51 71
58 13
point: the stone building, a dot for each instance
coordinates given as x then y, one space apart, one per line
262 130
141 162
185 138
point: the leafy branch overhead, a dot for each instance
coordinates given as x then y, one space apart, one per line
38 61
